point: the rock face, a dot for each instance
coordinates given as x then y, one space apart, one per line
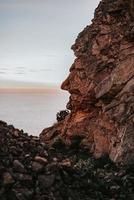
101 85
30 170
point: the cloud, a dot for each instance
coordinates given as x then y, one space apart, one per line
46 70
36 35
41 70
20 73
3 69
2 72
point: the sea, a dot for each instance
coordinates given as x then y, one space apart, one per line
32 111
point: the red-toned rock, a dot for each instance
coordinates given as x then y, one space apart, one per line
101 84
69 172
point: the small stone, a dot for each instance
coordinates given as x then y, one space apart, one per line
18 166
27 156
44 153
114 188
34 139
16 133
37 167
22 194
24 178
2 123
66 163
41 160
46 181
13 151
7 178
55 159
61 115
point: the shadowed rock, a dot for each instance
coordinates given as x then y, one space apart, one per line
101 85
33 170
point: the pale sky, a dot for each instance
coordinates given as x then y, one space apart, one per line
36 36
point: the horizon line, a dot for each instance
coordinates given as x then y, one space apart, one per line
30 89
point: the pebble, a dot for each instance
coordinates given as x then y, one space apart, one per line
37 167
7 178
66 163
16 133
18 166
46 181
41 160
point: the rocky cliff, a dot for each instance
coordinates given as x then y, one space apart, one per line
30 170
101 86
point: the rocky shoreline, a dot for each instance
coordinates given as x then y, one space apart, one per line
30 169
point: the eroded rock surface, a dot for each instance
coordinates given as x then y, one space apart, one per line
101 85
31 170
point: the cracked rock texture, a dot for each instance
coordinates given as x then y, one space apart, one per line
101 86
29 170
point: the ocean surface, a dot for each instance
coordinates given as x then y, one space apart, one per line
32 111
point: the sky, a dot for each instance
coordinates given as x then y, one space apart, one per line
36 37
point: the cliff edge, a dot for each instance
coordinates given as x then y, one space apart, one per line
101 86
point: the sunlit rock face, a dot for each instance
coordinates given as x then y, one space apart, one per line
101 85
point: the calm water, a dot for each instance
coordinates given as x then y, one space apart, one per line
32 112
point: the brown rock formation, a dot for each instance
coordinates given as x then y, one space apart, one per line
30 170
101 84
